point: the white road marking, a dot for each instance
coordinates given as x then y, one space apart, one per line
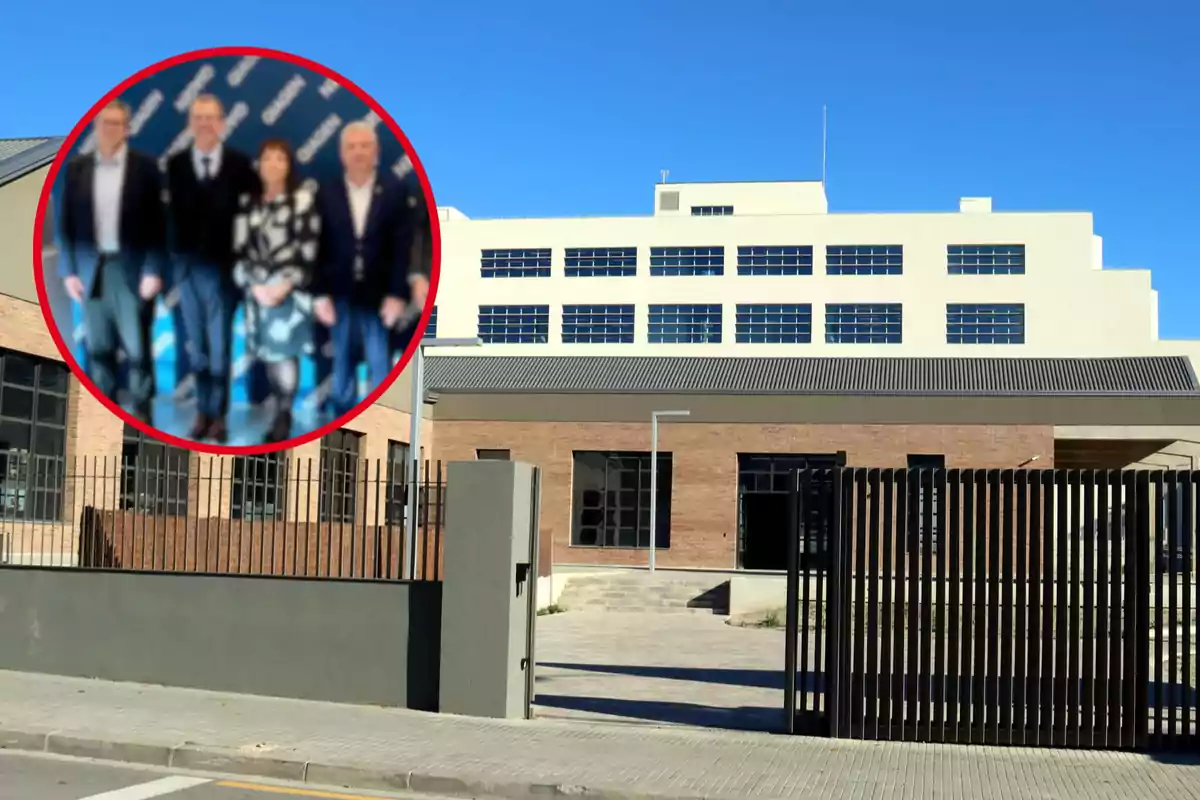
144 791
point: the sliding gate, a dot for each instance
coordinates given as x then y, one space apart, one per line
1029 607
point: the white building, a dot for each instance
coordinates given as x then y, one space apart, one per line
746 269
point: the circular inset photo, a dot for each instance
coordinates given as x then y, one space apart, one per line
244 250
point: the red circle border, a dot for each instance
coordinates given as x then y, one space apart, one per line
434 226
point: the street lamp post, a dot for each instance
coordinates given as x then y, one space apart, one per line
414 446
654 415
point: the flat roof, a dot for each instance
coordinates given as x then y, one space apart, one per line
1154 376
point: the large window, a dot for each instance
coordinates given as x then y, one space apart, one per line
775 260
691 324
591 262
527 263
597 324
864 259
154 476
339 476
514 324
773 323
863 323
684 261
33 420
985 259
259 487
991 323
493 455
611 500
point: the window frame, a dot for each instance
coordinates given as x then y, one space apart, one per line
276 463
745 328
494 323
608 460
33 483
833 312
334 445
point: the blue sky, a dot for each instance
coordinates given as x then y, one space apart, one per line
573 107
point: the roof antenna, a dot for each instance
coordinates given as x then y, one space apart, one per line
824 145
664 173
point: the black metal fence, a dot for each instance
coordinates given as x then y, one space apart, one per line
175 511
1028 607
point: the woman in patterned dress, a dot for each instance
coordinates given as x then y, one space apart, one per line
275 239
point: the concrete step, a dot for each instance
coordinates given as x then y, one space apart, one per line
645 593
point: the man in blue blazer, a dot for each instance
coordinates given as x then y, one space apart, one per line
362 284
113 250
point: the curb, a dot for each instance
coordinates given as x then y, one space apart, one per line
188 756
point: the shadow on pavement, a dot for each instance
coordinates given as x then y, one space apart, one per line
745 718
754 678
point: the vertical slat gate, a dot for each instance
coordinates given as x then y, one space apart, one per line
1029 607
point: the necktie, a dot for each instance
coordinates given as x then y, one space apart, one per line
205 167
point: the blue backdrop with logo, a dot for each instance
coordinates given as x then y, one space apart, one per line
263 98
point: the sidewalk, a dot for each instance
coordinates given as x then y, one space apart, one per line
374 748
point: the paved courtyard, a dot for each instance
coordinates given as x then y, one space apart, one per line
659 669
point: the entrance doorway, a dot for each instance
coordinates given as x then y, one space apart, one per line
764 503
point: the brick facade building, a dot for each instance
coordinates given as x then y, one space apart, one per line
751 420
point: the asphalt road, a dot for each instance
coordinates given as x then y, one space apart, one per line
38 777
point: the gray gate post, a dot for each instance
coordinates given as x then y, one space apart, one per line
488 580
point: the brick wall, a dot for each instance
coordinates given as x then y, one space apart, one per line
704 468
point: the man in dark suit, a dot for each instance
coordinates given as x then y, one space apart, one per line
366 244
113 232
204 183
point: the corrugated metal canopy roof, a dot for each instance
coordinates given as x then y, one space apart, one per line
979 377
19 157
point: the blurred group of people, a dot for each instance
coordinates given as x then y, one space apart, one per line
236 230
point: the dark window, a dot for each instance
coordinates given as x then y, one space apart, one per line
864 259
993 323
712 211
33 448
431 328
863 323
154 475
339 476
526 263
398 468
929 498
259 487
514 324
611 498
493 455
681 261
985 259
672 324
769 323
590 262
775 260
597 324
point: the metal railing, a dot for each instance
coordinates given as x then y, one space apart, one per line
329 517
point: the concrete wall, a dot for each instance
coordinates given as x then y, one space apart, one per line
374 643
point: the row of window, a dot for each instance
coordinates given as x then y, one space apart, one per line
755 323
586 262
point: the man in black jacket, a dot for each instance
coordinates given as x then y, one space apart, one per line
362 287
205 182
113 233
